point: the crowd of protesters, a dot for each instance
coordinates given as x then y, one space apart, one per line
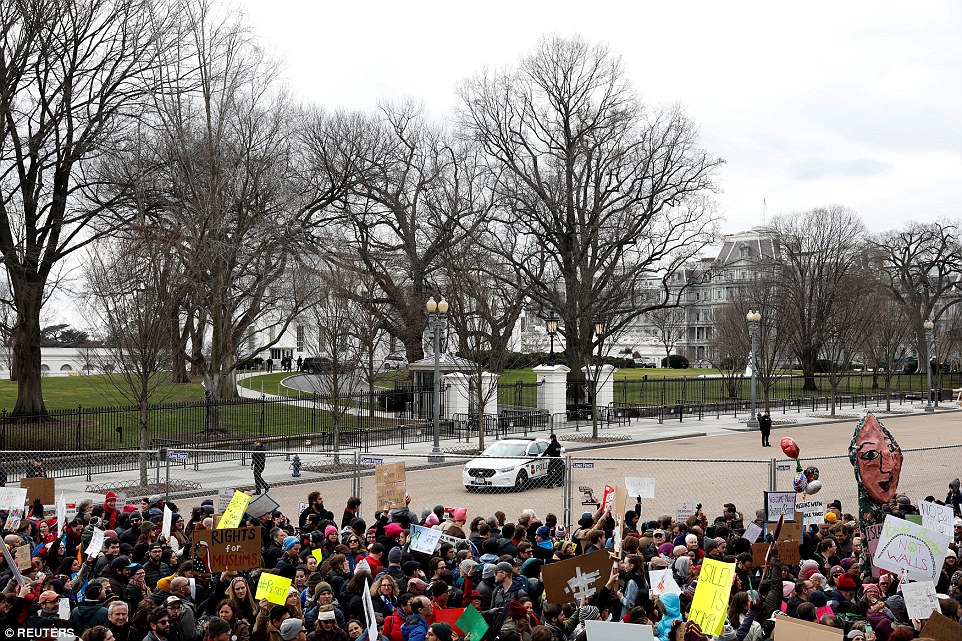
146 586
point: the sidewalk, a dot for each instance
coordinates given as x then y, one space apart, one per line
237 473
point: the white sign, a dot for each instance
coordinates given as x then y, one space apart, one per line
906 547
61 514
752 532
224 495
14 517
615 631
813 511
63 609
640 486
683 511
424 539
262 505
937 517
662 582
778 504
165 528
920 599
96 543
12 497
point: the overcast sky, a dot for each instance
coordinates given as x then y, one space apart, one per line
852 103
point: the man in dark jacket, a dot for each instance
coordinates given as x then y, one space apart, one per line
315 505
90 611
765 425
258 461
155 568
506 589
118 622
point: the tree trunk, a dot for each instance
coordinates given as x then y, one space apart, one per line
144 441
179 338
25 347
809 360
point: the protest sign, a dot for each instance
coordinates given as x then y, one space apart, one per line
937 517
914 518
165 525
788 629
759 552
235 511
272 587
870 536
920 599
450 616
577 577
63 608
447 538
224 495
589 496
905 546
61 510
318 554
752 532
14 517
621 500
234 549
813 512
472 623
424 539
22 557
779 503
390 484
96 543
662 582
683 511
262 505
941 628
369 615
608 499
709 607
41 488
12 497
615 631
640 486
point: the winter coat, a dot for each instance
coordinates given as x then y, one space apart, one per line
87 615
393 624
672 605
415 628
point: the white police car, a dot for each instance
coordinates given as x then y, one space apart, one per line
516 463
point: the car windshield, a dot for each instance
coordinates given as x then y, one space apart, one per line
506 449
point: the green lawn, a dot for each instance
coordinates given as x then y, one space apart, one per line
67 392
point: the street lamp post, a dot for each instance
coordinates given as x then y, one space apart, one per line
600 335
551 324
437 323
754 320
929 327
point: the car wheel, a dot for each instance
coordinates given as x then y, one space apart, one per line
522 482
469 488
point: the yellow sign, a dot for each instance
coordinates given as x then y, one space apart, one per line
318 554
273 587
710 605
235 511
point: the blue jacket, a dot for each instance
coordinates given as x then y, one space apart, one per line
672 613
415 628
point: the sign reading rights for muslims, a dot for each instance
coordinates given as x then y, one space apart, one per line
224 550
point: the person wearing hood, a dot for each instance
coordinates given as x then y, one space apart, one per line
954 497
671 606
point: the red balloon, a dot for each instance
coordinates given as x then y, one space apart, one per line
790 447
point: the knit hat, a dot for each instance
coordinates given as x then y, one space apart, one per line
504 566
516 610
488 570
586 613
809 566
392 530
465 566
845 582
323 586
442 631
329 530
416 586
460 514
289 542
710 544
216 626
830 517
290 629
394 556
314 580
896 604
817 598
432 520
692 632
543 532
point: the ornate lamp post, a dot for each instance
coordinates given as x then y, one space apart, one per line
929 327
437 323
600 335
754 319
551 324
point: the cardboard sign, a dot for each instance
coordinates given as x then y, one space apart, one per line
779 503
870 538
640 486
424 539
262 505
577 577
788 629
662 582
390 485
941 628
22 557
905 546
709 607
813 512
234 549
472 623
684 511
12 497
235 512
752 532
272 587
937 517
792 530
96 543
451 616
789 553
42 488
12 564
621 500
615 631
759 551
920 599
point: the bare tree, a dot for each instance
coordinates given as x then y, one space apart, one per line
887 338
73 78
597 194
817 251
846 328
671 325
923 263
